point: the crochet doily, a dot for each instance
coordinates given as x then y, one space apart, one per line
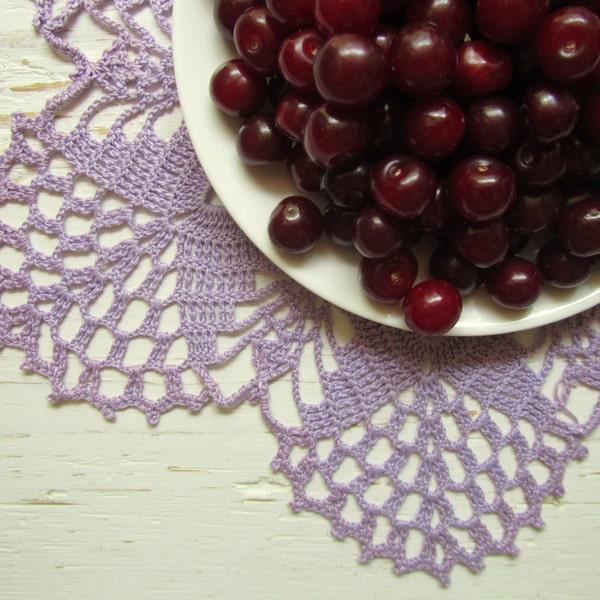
429 452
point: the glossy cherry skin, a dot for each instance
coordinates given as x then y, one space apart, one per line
514 283
481 188
376 233
304 173
295 15
237 89
259 141
388 279
549 111
510 21
491 124
454 16
482 68
578 228
383 35
432 307
335 137
447 264
483 244
295 225
537 164
351 70
257 36
227 12
561 269
296 57
293 110
354 16
568 44
423 60
348 187
403 185
432 128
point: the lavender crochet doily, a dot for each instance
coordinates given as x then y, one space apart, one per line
453 442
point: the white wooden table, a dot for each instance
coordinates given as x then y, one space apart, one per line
191 509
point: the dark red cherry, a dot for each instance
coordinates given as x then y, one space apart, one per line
491 124
376 233
335 137
353 16
403 185
514 283
481 188
296 57
237 89
537 164
348 187
510 21
568 43
432 128
578 228
447 264
227 12
483 244
295 225
257 36
423 60
383 35
304 173
549 111
295 15
432 307
454 16
390 278
259 141
561 269
351 70
482 68
293 110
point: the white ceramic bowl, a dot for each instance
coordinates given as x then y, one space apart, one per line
250 194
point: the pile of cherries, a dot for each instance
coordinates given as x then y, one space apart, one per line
475 123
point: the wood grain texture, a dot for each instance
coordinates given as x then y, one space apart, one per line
190 508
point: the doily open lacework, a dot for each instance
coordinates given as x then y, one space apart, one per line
430 453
